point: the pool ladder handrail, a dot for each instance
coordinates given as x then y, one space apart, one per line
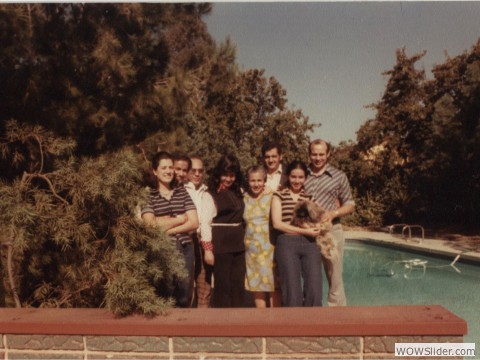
409 228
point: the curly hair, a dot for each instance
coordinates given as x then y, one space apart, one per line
226 164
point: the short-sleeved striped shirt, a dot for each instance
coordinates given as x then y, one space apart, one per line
288 204
179 203
329 188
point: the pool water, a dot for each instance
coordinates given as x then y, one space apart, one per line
376 275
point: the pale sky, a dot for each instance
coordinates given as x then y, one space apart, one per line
330 56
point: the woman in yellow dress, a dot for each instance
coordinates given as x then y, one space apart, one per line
260 278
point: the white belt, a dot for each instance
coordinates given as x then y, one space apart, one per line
226 225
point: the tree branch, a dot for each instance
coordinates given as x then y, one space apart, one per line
143 152
47 180
41 152
11 279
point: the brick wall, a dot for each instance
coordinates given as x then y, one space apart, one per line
313 333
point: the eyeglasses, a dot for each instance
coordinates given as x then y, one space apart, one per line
200 171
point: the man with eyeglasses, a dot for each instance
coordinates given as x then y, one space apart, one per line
203 272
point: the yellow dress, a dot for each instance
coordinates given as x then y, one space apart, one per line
259 250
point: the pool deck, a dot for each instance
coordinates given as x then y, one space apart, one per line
444 248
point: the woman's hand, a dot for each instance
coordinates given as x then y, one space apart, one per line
312 232
208 257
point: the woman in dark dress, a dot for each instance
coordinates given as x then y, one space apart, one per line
223 233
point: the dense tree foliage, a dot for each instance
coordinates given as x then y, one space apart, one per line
97 73
89 92
454 145
418 160
249 109
72 229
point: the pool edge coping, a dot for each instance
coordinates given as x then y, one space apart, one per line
389 240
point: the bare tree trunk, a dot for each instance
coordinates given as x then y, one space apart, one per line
11 279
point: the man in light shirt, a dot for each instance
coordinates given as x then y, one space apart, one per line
203 272
272 157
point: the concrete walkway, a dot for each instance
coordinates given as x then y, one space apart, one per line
428 246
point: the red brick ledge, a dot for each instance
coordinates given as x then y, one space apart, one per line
341 321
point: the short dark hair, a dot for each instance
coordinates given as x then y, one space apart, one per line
270 145
161 155
178 156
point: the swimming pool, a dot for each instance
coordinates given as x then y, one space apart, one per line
376 275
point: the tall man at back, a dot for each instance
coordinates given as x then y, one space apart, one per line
330 188
272 157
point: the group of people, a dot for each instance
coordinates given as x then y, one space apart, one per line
236 235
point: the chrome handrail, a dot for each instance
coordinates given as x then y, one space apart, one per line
409 227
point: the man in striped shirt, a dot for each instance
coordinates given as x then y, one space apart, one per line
331 190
